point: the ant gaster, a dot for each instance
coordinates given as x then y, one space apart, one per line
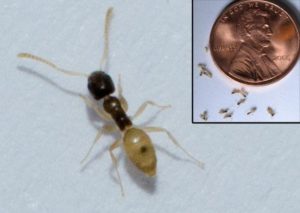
136 142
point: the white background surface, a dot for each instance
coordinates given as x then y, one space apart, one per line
214 94
45 132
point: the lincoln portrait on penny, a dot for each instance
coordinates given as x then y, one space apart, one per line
251 61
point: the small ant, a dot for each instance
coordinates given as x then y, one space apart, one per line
241 101
223 110
135 140
271 111
228 115
252 110
204 70
204 115
241 91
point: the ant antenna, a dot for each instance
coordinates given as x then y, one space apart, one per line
108 17
103 62
49 63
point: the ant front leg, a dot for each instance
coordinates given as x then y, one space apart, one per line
123 101
172 138
100 112
142 108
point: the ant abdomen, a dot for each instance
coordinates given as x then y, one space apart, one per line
100 85
140 150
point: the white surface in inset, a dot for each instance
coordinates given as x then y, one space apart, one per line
45 132
214 94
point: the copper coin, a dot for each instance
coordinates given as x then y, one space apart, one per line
255 42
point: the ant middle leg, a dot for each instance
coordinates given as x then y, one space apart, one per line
142 108
115 145
172 138
104 130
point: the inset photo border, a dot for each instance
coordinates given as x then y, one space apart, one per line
219 98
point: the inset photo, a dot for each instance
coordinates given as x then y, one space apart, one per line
246 61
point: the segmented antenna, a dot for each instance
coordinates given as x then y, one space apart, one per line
74 73
108 17
51 64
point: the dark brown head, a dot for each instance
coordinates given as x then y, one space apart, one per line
100 84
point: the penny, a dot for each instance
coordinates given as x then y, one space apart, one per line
255 42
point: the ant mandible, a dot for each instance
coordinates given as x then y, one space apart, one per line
136 142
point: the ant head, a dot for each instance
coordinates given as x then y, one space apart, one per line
100 84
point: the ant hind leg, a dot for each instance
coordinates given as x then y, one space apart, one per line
172 138
103 130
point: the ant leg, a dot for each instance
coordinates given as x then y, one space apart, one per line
123 101
171 137
105 129
142 108
115 145
103 115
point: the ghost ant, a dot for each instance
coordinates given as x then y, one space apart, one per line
204 115
252 110
271 111
223 110
228 115
136 142
204 70
241 91
241 101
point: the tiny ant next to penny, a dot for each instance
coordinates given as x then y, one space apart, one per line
204 115
135 140
204 70
271 111
241 101
252 110
241 91
223 110
228 115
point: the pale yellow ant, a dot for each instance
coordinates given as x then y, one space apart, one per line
271 111
252 110
135 140
241 91
223 110
204 115
204 70
228 115
241 101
